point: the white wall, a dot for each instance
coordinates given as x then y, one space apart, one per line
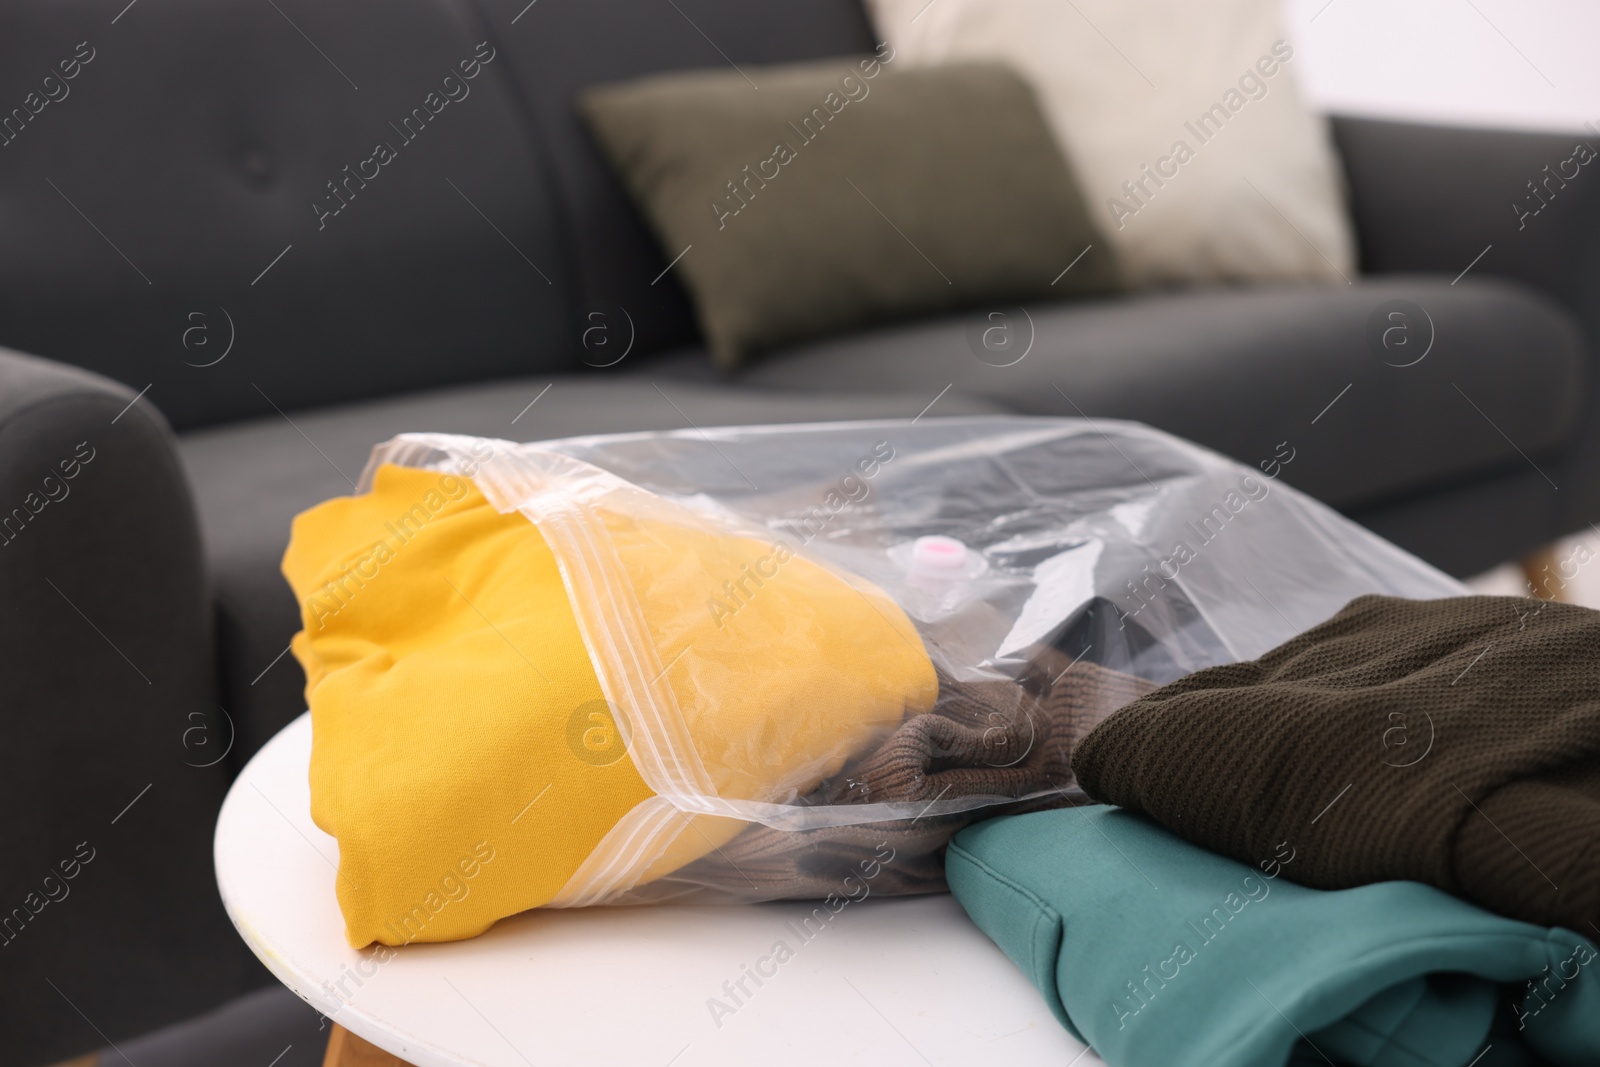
1521 63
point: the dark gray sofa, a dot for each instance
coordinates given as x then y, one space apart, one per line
157 212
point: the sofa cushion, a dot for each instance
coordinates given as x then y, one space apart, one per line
789 235
251 479
558 49
1242 370
1213 169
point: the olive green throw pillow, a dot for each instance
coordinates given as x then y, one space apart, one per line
812 199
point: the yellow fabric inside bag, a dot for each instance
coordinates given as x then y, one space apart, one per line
462 752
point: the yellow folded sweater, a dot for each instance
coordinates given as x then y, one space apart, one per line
463 753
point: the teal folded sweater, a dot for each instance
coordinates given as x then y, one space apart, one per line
1160 954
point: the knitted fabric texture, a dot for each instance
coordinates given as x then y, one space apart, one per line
1454 742
988 740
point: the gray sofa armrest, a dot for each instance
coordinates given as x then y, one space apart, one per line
1436 198
106 670
1432 199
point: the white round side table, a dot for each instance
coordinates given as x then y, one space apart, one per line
890 981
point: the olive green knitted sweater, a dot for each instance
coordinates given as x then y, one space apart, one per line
1453 742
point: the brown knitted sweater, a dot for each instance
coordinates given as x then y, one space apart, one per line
1454 742
987 739
992 739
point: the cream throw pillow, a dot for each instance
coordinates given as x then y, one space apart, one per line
1181 119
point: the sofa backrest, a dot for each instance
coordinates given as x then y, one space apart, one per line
280 204
558 47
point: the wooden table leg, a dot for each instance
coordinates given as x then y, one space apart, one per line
1543 571
347 1050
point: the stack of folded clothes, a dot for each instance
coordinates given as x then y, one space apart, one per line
1378 844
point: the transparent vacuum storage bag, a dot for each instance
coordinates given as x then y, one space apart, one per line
826 648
